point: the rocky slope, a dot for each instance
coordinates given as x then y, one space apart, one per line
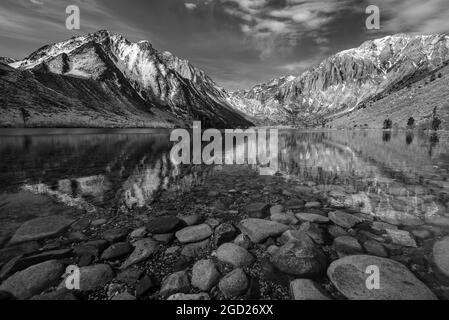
154 79
346 80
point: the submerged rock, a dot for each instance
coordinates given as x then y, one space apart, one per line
349 275
402 237
41 228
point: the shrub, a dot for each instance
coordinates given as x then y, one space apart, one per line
388 124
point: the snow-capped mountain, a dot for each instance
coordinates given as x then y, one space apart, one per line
345 81
159 79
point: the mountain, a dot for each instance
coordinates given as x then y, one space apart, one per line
105 76
6 60
347 81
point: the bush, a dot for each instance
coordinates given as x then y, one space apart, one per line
411 122
388 124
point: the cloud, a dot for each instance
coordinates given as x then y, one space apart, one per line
37 2
191 6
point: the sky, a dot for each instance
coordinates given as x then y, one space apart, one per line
239 43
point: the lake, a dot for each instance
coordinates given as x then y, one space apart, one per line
396 177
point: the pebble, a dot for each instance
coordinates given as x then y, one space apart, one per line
177 282
204 275
306 289
234 284
194 233
259 230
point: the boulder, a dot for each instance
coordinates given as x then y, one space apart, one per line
163 224
33 280
349 275
41 228
258 210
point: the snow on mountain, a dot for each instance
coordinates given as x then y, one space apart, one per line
346 80
159 78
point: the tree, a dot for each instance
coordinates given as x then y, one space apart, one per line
388 124
25 115
411 122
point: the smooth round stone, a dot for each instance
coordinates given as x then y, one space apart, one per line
375 248
143 250
257 210
300 257
204 275
258 229
276 209
349 276
94 277
344 219
192 220
116 251
98 222
194 233
311 217
139 233
235 255
40 228
402 238
234 284
312 204
441 255
177 282
225 232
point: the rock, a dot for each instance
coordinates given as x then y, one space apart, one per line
139 233
191 220
234 284
258 210
347 245
92 248
189 297
33 280
164 224
243 241
164 238
375 248
380 226
58 295
439 221
312 205
213 223
402 237
225 232
80 224
441 255
41 228
258 230
349 276
292 235
172 250
98 222
272 249
144 286
94 277
177 282
129 276
235 255
8 253
421 234
344 219
305 289
194 233
276 209
283 218
143 250
295 204
194 249
336 231
311 217
313 231
116 235
124 296
116 251
301 258
204 275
